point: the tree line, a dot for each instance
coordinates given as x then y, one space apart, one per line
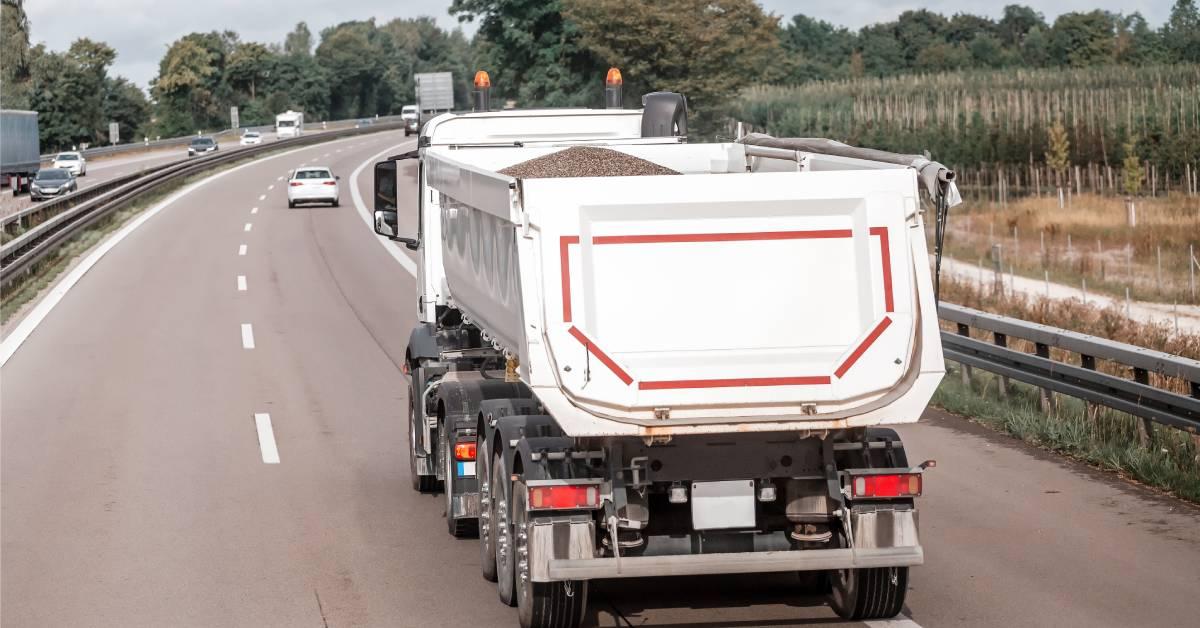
553 53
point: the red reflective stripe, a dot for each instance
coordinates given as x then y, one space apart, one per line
863 346
667 238
806 380
886 254
565 263
600 355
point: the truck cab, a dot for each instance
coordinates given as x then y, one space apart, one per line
686 373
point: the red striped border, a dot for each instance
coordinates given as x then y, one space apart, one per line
805 380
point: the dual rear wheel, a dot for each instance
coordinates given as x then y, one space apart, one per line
539 604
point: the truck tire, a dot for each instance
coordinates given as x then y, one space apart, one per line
859 594
487 539
420 483
502 531
458 528
542 604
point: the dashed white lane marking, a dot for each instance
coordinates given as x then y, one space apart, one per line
266 438
325 155
247 336
262 197
270 187
241 283
901 621
279 178
248 227
253 210
242 250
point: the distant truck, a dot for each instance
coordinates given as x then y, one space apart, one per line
435 93
289 124
20 154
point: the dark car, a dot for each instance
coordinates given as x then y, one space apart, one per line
201 146
51 182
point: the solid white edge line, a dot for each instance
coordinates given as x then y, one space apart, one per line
14 340
242 250
247 336
404 260
900 621
266 438
248 227
241 281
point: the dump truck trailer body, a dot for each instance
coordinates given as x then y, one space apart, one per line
690 373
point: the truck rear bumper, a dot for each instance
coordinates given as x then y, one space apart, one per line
744 562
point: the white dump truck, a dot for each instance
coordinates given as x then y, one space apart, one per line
289 124
671 374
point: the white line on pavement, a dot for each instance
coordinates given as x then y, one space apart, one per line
901 621
247 336
242 250
266 438
270 187
279 178
404 260
262 197
248 227
253 210
241 283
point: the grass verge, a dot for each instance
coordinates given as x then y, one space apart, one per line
1102 438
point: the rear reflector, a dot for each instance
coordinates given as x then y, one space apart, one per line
295 183
564 497
464 451
331 183
886 485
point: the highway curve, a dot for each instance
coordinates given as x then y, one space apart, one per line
134 490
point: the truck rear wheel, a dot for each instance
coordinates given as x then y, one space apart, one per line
859 594
487 539
541 604
502 531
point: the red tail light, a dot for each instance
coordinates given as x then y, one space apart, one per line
564 497
295 183
882 486
464 451
331 183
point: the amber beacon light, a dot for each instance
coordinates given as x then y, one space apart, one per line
613 84
483 85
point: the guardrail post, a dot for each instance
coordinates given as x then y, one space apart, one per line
1047 395
965 331
1093 411
1001 340
1145 427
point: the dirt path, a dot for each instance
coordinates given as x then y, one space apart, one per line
1188 316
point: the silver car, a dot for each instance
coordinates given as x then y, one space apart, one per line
71 161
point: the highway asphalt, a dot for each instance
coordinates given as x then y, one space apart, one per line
136 419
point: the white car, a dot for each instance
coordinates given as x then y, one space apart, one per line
313 184
250 138
72 162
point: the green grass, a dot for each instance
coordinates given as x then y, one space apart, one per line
1107 440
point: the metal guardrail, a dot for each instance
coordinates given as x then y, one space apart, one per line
26 249
168 142
1134 396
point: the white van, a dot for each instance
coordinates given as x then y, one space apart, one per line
289 124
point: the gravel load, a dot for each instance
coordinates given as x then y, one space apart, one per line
585 161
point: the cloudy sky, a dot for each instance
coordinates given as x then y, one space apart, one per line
141 30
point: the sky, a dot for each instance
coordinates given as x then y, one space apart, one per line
141 30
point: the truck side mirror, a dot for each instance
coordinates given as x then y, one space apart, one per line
387 221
